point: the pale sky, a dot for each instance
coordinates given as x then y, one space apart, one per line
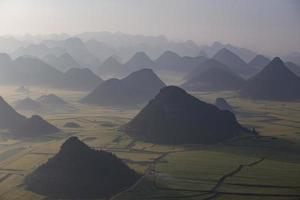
271 26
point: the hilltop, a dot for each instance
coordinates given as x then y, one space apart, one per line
137 88
274 82
77 171
176 117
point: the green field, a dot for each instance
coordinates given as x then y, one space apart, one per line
246 168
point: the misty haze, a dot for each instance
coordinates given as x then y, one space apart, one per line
150 99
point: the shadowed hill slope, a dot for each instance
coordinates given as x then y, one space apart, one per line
28 104
172 61
9 118
210 63
34 126
235 63
77 171
274 82
20 126
80 79
293 67
111 67
51 100
214 78
138 61
222 104
176 117
259 62
63 62
137 88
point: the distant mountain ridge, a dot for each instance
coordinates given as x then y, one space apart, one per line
136 88
139 61
245 54
79 79
214 79
63 62
111 67
274 82
20 126
235 63
9 118
27 70
171 61
259 61
210 63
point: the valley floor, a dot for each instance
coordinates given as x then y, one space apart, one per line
247 168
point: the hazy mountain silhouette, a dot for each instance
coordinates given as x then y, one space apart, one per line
34 126
111 67
77 171
169 61
137 88
293 67
7 70
77 49
33 71
222 104
235 63
126 45
80 79
191 63
9 118
20 126
138 61
210 63
259 62
274 82
100 49
5 60
38 50
52 100
245 54
10 44
172 61
63 62
28 104
214 78
293 57
176 117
